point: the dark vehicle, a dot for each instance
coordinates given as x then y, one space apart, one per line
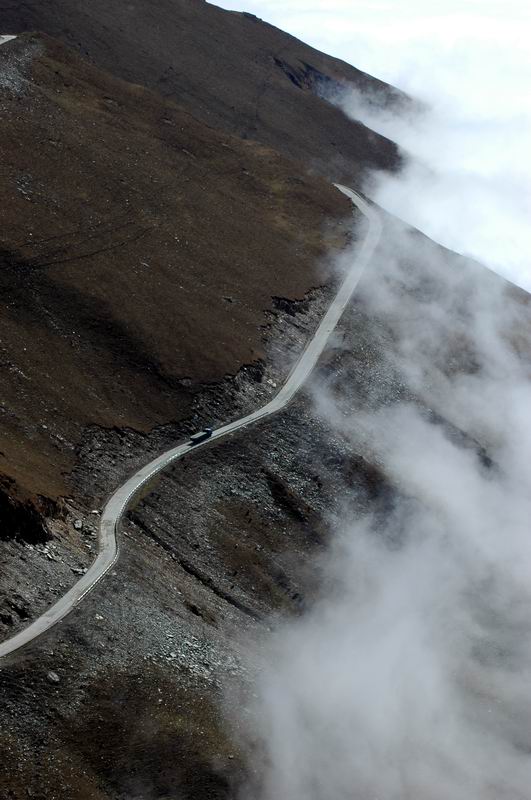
200 436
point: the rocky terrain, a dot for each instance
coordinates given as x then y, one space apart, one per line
166 249
130 691
127 697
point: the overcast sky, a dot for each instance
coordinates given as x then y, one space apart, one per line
469 60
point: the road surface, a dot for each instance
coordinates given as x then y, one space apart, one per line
122 497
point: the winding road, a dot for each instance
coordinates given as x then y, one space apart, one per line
122 497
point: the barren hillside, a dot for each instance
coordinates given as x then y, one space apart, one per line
167 232
139 250
230 70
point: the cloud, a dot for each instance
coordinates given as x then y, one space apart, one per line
408 676
470 62
468 181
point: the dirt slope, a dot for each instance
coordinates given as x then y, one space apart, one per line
230 70
139 250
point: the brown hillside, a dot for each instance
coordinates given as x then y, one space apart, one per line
138 251
228 69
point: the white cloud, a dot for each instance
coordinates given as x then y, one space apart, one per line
470 61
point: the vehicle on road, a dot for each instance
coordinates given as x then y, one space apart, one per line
200 436
122 498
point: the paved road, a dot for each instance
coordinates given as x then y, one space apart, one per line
121 499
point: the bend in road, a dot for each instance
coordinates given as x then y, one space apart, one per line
122 497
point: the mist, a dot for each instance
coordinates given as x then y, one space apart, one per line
469 62
408 675
467 179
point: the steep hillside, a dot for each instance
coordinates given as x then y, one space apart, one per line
127 698
228 69
165 251
139 250
167 233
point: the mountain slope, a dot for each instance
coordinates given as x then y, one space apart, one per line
139 252
157 272
228 69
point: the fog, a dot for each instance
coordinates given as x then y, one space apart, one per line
468 182
469 186
408 675
470 62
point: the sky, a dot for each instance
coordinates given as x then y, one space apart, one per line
469 60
